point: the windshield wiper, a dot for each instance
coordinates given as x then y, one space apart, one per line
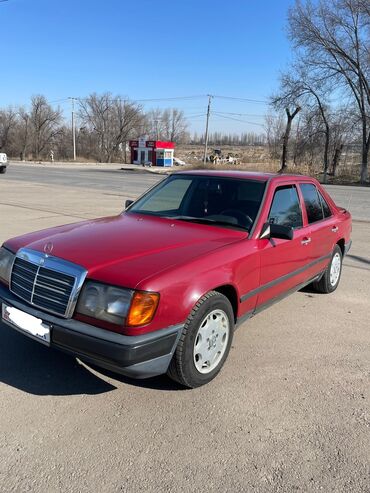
206 220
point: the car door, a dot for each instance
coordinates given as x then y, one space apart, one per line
322 223
283 262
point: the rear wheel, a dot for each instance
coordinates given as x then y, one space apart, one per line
2 170
331 277
205 342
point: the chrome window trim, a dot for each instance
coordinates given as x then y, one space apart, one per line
58 265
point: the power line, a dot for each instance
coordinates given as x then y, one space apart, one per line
238 119
243 114
183 98
247 100
171 99
58 100
151 100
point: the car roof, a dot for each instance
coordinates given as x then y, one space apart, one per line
248 175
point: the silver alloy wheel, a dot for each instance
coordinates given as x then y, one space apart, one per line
335 268
211 341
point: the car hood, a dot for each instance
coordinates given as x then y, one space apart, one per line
126 249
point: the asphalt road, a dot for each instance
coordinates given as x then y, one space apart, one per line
131 184
289 412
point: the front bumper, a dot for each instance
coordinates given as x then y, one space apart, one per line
140 356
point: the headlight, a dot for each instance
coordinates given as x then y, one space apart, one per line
117 305
6 262
104 302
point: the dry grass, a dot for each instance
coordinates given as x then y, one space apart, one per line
256 158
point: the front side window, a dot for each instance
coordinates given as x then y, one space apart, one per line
312 202
220 201
285 209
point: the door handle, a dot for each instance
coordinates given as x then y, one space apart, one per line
334 229
306 241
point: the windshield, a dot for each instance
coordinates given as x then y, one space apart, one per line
212 200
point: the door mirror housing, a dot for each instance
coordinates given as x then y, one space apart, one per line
276 231
128 203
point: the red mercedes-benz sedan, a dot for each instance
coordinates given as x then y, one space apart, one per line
161 287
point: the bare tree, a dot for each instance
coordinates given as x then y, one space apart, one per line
113 120
45 124
344 126
174 124
155 124
168 124
7 124
23 132
332 37
274 127
299 87
290 117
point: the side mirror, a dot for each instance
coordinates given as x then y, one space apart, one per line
128 203
276 231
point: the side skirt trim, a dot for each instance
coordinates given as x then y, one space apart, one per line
281 279
272 301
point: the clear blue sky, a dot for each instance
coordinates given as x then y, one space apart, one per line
146 49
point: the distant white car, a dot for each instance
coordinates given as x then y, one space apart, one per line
3 162
178 162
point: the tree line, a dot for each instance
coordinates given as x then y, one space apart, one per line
104 126
323 102
230 139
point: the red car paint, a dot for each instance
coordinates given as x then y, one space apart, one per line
182 261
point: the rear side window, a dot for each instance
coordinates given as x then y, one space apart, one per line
285 209
312 202
325 208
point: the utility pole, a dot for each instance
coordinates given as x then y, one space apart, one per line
73 128
207 122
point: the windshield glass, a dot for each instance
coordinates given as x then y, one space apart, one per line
212 200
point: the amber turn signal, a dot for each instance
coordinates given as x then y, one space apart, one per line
142 309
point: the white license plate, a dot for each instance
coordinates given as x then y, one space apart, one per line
26 323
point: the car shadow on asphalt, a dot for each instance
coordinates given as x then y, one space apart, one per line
357 258
36 369
162 382
31 367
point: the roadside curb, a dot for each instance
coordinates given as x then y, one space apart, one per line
91 166
147 170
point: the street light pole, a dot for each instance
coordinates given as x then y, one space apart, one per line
207 123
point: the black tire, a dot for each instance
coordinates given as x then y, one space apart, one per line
324 285
182 368
2 170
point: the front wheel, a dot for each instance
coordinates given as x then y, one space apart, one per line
205 341
331 277
2 170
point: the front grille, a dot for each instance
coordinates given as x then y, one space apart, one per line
43 287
